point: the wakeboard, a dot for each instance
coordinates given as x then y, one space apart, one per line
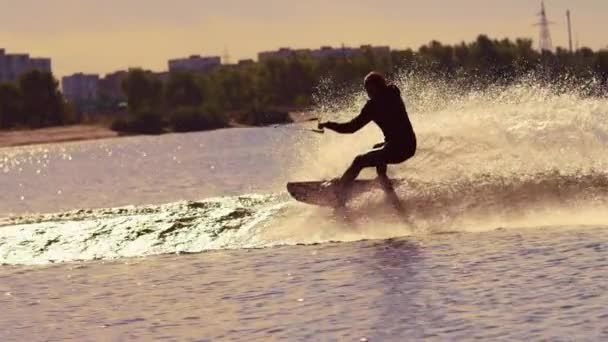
325 193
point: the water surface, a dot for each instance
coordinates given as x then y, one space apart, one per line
192 236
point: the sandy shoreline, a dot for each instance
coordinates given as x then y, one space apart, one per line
54 135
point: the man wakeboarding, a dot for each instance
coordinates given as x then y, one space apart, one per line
385 108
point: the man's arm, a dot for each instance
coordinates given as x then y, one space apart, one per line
353 125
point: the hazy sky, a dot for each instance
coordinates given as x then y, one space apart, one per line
106 35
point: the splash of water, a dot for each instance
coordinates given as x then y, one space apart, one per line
499 156
520 155
523 128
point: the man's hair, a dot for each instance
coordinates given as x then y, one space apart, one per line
375 78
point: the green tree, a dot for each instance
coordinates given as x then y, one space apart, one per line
10 105
439 57
601 63
186 119
42 102
145 121
143 90
182 89
402 59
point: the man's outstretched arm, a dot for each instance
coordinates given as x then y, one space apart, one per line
349 127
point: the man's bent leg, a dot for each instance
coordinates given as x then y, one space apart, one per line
389 189
373 158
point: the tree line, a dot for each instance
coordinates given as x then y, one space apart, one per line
263 92
34 101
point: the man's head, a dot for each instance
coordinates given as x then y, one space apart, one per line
374 84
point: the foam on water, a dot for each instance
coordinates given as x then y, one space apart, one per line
185 227
523 155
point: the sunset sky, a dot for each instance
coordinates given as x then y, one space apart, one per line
106 35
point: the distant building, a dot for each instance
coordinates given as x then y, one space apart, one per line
12 66
195 63
81 87
280 53
303 51
163 76
43 64
326 52
110 86
244 62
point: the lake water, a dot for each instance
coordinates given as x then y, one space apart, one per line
192 236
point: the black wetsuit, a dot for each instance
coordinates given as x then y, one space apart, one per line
388 111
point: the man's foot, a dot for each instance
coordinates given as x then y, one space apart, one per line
337 188
330 183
